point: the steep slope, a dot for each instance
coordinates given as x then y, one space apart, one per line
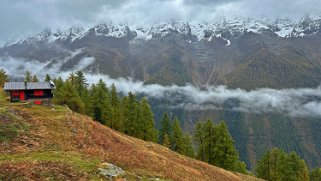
263 68
54 143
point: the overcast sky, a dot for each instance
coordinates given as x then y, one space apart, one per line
22 17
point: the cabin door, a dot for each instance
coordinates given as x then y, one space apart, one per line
22 95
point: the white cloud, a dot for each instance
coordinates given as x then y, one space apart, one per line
305 102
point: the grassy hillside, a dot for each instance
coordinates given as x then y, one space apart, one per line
55 143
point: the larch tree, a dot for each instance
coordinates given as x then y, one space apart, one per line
72 78
166 141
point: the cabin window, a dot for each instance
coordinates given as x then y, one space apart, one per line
38 93
15 93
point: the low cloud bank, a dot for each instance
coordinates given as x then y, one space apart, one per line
304 102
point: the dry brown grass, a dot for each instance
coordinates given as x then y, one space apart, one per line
58 129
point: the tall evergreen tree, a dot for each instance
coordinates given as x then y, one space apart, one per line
80 82
269 166
103 85
293 168
225 154
209 141
148 127
35 79
199 139
278 165
177 140
101 104
67 95
58 82
3 77
47 78
131 113
315 174
188 147
28 76
117 118
165 128
72 79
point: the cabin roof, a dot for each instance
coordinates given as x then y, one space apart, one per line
14 86
28 85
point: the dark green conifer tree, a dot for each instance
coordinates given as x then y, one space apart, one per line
3 77
101 104
315 174
177 139
47 78
225 155
80 82
35 79
165 128
278 165
148 127
117 118
67 95
131 113
199 139
209 142
188 147
28 76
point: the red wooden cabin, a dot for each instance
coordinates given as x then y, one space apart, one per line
33 91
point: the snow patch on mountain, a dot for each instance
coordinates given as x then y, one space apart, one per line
169 28
110 30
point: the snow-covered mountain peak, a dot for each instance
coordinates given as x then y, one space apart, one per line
111 30
221 27
169 28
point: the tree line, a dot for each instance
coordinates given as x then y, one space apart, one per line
277 165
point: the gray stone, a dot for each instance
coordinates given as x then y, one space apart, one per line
110 171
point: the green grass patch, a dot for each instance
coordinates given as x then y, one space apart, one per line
11 126
9 132
81 163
